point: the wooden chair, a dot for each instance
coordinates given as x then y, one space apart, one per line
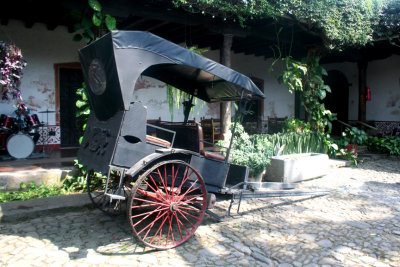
211 130
206 125
216 130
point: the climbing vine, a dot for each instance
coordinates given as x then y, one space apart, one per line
90 28
307 76
338 23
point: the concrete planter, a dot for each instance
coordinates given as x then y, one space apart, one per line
297 167
10 181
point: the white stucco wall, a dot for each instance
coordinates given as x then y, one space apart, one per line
153 94
278 101
41 49
383 77
384 80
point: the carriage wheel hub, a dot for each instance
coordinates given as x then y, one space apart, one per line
173 206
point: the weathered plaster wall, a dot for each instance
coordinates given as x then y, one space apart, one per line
383 77
153 94
384 81
41 49
278 101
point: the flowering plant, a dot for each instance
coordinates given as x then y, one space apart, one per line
11 65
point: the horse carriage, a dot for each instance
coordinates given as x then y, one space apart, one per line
160 171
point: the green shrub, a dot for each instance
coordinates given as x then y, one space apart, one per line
388 145
293 125
256 150
354 136
293 143
76 182
250 150
32 191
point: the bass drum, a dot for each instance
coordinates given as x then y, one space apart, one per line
20 145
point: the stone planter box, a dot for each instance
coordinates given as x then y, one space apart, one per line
297 167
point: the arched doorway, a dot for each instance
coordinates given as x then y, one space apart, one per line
338 100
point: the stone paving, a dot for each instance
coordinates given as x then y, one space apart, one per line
358 224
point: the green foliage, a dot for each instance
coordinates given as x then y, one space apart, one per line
339 23
389 22
388 144
294 143
256 150
346 154
307 76
293 125
83 109
32 191
95 5
76 182
250 150
91 27
354 135
231 9
100 24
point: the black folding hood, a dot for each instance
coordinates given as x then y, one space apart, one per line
113 64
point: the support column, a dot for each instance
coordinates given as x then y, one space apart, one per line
362 88
226 107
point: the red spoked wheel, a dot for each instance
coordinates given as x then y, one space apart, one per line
167 204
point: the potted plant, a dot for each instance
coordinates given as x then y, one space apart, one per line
353 137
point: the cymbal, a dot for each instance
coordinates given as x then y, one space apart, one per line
47 111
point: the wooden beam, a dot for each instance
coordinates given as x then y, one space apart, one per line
29 23
51 26
362 88
131 24
226 107
157 26
4 21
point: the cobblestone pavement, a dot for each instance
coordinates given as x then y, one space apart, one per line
358 224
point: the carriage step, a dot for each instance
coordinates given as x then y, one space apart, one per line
116 197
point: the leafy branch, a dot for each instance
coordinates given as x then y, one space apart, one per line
306 76
92 27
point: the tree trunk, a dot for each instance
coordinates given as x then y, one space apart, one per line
226 107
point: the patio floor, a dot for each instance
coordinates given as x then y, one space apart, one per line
47 159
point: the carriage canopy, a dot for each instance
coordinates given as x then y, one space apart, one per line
113 64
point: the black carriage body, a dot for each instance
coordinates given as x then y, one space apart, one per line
116 131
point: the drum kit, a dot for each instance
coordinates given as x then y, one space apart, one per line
20 134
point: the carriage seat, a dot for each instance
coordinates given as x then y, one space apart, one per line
213 155
209 154
157 141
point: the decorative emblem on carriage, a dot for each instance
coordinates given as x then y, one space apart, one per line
97 77
98 140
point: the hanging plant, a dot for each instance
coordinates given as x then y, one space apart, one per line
11 65
176 97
